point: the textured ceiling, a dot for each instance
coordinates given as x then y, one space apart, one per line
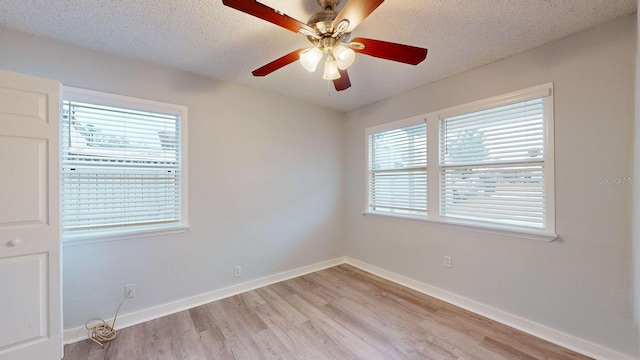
207 38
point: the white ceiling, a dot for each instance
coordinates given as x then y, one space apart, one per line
207 38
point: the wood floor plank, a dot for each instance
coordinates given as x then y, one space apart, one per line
323 345
290 338
334 314
461 340
215 345
324 290
201 318
235 332
238 308
505 350
284 308
252 299
430 344
86 350
341 336
399 335
271 347
128 346
303 290
374 336
392 290
483 328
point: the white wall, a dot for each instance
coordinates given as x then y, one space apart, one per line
265 183
636 191
579 284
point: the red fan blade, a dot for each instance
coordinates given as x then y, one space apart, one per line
278 63
264 12
343 83
355 11
391 51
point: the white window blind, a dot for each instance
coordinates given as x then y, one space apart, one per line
121 168
492 165
398 170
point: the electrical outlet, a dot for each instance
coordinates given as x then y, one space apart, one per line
130 291
447 261
237 271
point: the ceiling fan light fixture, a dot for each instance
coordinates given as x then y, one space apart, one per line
329 30
310 58
331 71
344 56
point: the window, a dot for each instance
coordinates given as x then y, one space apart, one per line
123 170
398 169
494 166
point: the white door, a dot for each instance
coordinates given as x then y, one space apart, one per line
30 285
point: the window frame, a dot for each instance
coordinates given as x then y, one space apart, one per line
384 128
101 98
433 216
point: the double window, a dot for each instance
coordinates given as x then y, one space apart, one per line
123 170
489 165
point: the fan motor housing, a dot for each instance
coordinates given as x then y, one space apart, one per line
328 4
322 21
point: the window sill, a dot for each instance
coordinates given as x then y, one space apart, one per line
471 226
107 236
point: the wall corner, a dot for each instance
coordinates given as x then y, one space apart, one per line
635 224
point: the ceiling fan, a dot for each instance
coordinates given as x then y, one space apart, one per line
329 32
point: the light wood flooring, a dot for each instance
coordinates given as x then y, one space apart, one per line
338 313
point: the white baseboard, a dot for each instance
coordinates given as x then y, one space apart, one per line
127 320
571 342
